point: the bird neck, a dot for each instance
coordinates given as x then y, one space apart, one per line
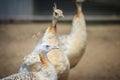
52 28
48 73
54 22
51 31
47 68
44 60
45 55
78 24
79 9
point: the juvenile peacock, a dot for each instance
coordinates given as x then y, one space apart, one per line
43 70
55 55
74 44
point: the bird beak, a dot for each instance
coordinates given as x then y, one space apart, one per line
61 15
55 47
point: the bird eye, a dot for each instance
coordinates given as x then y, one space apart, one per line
47 46
55 13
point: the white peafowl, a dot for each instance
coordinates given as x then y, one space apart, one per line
74 44
55 56
44 71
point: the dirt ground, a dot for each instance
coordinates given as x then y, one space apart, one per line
101 60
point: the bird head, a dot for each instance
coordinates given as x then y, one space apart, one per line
57 13
47 46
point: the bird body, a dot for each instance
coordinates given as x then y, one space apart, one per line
43 70
49 43
74 44
55 56
61 63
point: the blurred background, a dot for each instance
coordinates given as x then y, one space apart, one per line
20 19
42 10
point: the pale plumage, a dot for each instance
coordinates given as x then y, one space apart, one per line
44 71
34 58
50 43
61 63
21 76
73 45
